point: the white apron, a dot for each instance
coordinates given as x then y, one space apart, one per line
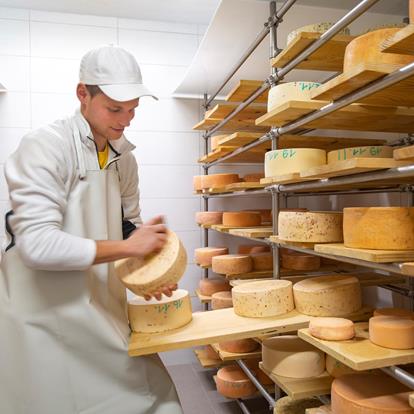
63 335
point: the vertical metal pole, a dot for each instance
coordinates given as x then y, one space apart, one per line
274 50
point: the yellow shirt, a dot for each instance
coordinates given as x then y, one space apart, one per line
103 157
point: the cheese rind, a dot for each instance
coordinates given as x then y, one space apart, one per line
204 255
232 382
263 298
377 151
332 329
253 178
208 218
300 261
315 28
197 183
262 261
241 219
252 248
218 180
209 286
160 315
239 346
221 300
392 332
232 264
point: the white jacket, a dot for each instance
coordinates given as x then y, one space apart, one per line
42 173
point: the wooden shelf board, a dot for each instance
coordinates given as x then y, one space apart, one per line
298 388
256 232
323 409
258 274
230 356
401 42
251 112
230 188
227 229
329 57
244 89
234 125
304 245
205 361
203 298
408 268
205 226
203 266
404 154
254 155
285 179
360 353
214 326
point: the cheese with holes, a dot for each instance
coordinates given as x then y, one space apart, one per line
401 313
383 228
203 255
334 295
315 28
252 248
218 180
209 286
378 151
197 183
289 356
232 264
336 368
263 298
332 329
208 218
160 315
232 382
294 160
369 394
262 261
310 227
290 91
143 276
221 300
241 219
253 178
392 332
300 261
239 346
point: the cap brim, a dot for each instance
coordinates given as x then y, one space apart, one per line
126 92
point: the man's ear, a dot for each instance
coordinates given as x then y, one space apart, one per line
82 93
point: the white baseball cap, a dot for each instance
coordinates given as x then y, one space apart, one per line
115 71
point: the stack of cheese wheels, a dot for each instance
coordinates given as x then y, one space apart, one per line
332 329
398 312
232 382
239 346
295 160
263 298
334 295
253 178
289 356
252 248
160 315
287 405
290 91
310 226
204 255
336 369
197 183
211 353
232 264
208 218
241 219
315 28
262 261
221 300
218 180
373 151
394 332
382 228
374 393
209 286
300 261
144 276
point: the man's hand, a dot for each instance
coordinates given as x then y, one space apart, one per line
167 290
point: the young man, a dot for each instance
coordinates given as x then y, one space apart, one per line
75 209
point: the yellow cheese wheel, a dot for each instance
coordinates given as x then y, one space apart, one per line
378 151
289 356
209 286
232 264
143 276
369 394
315 28
232 382
311 226
300 261
241 219
336 369
332 329
197 183
160 315
392 332
203 255
239 346
401 313
221 300
294 160
263 298
252 248
208 218
253 178
334 295
218 180
383 228
262 261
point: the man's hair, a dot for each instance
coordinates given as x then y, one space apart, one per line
93 90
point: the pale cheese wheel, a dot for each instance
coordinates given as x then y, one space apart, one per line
232 264
289 356
144 276
253 178
203 255
209 286
315 28
290 91
150 316
336 368
241 219
239 346
401 313
335 295
232 382
332 329
252 248
197 183
263 298
300 261
218 180
208 218
221 300
369 394
310 226
294 160
392 332
262 261
382 228
373 151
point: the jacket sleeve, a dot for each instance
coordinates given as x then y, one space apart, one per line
36 175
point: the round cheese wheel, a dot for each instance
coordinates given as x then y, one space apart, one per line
241 219
221 300
239 346
401 313
144 276
369 394
336 369
392 332
262 261
160 315
211 353
287 161
209 286
315 28
300 261
265 215
253 178
218 180
383 26
203 255
334 295
252 248
332 329
290 91
383 228
381 151
197 183
287 405
207 218
366 49
232 264
262 299
289 356
311 226
232 382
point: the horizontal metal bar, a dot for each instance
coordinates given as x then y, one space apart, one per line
324 399
239 194
401 291
400 375
344 193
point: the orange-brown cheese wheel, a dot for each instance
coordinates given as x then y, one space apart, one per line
221 300
241 219
232 382
332 329
211 353
265 215
197 183
252 248
203 255
253 178
392 332
208 218
218 180
209 286
300 261
239 346
262 261
232 264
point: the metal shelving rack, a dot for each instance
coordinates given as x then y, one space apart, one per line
281 192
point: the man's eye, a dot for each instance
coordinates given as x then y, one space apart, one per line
113 110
